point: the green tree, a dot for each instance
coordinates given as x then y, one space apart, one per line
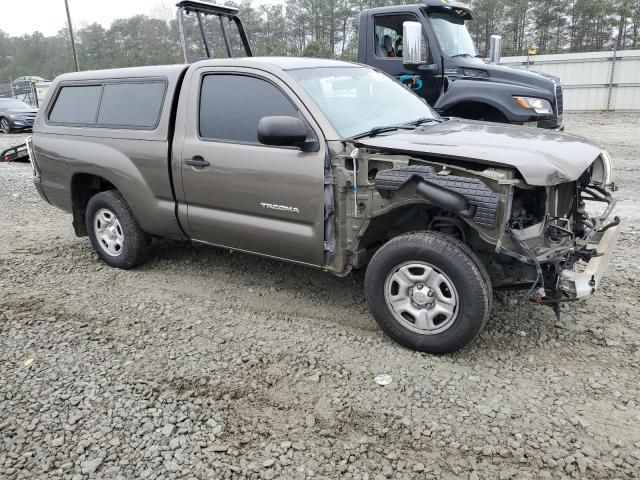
319 28
317 49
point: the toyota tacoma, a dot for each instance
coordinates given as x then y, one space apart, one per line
331 165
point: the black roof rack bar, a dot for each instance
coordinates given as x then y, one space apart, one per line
225 36
208 8
204 35
205 8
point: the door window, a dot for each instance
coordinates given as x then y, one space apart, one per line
232 105
388 34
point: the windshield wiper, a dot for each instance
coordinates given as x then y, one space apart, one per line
378 130
461 55
420 121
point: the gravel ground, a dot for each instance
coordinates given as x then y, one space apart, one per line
206 364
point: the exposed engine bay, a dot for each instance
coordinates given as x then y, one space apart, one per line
528 237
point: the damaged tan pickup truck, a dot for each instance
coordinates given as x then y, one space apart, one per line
335 166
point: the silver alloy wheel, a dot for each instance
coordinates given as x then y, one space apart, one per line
422 298
108 231
4 125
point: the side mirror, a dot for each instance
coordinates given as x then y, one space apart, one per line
413 48
282 131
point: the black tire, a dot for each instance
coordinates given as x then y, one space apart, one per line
461 267
479 264
5 125
133 251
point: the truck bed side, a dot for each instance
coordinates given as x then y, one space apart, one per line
76 159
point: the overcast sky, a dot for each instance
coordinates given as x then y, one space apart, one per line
18 17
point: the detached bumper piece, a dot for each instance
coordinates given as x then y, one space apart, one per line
19 153
583 282
468 197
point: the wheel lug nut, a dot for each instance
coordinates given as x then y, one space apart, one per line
431 293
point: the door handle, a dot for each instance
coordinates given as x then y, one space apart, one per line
197 161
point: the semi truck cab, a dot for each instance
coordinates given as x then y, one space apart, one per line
446 70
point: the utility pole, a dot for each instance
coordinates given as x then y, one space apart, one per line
73 40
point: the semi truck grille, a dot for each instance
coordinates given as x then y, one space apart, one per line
559 99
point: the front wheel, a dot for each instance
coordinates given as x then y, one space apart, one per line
5 126
429 292
114 232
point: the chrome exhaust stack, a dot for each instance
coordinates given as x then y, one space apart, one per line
496 49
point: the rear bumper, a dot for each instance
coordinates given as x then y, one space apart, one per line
585 279
37 180
38 184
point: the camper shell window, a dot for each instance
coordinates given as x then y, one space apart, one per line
118 104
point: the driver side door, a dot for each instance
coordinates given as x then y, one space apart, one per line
238 192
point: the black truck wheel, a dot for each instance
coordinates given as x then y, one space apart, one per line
429 292
115 234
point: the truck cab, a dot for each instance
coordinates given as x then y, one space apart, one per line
449 73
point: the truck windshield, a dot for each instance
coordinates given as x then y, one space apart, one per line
356 99
453 36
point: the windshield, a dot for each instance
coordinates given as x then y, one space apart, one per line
452 33
13 104
357 99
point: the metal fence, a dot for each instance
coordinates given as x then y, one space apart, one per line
593 80
28 93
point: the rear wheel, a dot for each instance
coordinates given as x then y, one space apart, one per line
115 234
429 292
5 126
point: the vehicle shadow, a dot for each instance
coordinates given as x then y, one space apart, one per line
263 284
274 286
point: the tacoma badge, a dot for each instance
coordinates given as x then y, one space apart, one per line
282 208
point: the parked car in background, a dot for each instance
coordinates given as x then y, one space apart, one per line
16 115
24 83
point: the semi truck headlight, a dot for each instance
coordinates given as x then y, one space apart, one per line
602 171
539 105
